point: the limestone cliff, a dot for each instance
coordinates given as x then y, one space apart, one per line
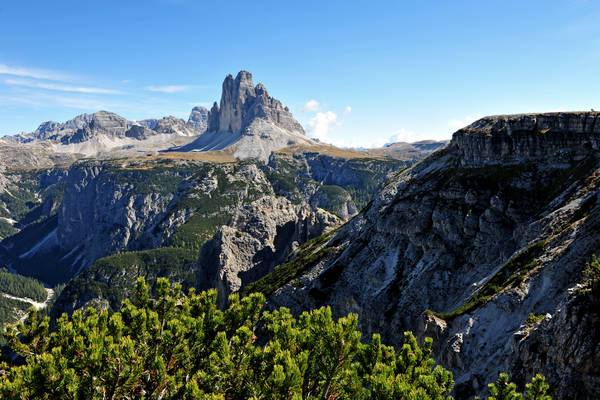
198 119
259 236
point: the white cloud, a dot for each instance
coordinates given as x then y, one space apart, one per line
311 105
42 100
402 135
169 88
348 110
32 73
59 87
320 125
461 123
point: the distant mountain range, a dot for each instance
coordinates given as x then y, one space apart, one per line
248 123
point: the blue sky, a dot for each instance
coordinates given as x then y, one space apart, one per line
354 73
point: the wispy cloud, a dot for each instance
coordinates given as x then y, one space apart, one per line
59 87
348 110
46 100
461 123
169 88
311 105
32 73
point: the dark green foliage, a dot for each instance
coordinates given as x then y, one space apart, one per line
21 286
513 272
533 319
151 178
184 347
29 200
503 389
197 230
6 229
110 278
10 311
18 201
592 276
305 257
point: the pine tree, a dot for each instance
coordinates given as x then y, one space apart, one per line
183 347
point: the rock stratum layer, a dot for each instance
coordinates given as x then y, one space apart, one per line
497 225
513 138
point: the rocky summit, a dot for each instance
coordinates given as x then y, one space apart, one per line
249 121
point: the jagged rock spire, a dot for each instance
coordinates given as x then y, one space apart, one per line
242 102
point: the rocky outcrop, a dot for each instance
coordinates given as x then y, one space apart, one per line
457 234
410 152
101 213
258 237
512 138
249 121
565 347
173 126
198 120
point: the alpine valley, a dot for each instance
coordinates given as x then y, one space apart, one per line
480 243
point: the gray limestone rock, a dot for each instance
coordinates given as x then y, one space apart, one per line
198 120
258 237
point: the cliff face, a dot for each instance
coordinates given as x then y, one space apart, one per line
514 138
259 236
198 120
482 233
564 346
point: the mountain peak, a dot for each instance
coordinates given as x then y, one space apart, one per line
250 120
242 102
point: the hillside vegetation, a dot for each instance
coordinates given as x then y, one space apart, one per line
178 346
21 286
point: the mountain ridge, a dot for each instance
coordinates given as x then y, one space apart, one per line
483 232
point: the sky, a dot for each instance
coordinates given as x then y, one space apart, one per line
354 73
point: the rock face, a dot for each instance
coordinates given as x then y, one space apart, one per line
512 138
80 129
241 103
250 121
258 237
100 215
565 347
198 120
173 126
340 182
441 234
